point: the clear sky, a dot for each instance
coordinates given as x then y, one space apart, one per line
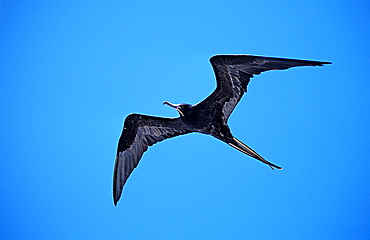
71 71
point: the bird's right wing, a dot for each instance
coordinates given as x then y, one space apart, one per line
140 132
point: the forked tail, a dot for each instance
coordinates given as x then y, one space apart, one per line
247 150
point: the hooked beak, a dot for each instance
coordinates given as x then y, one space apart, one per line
175 106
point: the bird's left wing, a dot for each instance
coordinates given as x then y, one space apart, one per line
140 132
233 73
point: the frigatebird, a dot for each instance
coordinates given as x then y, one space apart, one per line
233 73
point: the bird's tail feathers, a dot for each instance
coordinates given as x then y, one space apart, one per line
247 150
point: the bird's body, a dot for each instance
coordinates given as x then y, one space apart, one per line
210 116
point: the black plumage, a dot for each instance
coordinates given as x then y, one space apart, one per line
233 73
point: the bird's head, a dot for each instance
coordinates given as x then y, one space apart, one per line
183 108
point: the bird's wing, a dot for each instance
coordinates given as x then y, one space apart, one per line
140 132
233 73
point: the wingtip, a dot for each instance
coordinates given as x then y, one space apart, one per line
223 57
322 63
115 200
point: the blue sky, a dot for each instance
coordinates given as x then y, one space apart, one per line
72 71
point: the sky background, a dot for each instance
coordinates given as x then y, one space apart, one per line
71 71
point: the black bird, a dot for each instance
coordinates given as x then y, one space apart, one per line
233 73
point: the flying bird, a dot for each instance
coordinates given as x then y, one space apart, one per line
210 116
